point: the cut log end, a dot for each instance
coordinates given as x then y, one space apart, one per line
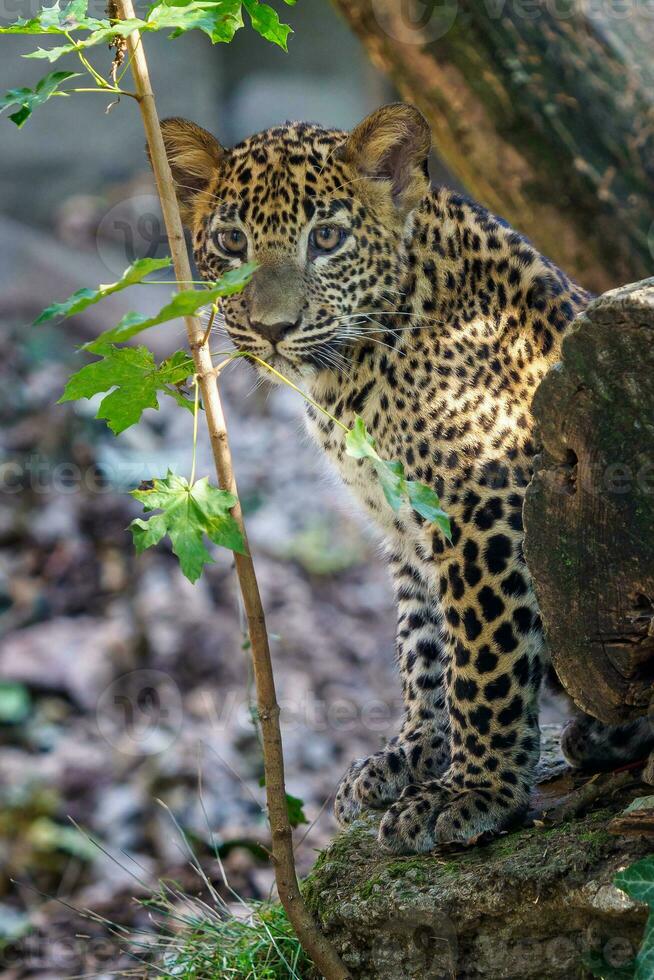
589 510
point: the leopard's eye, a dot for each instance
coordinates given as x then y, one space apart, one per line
233 241
326 238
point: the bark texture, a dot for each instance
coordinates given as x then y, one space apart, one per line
589 510
535 903
543 110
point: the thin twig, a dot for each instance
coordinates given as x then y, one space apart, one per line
313 941
205 338
601 786
196 406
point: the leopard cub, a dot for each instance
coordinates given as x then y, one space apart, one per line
429 317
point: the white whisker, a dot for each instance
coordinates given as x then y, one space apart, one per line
375 340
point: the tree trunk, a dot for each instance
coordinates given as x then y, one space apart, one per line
589 510
543 110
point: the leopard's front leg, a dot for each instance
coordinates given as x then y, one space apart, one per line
421 749
495 649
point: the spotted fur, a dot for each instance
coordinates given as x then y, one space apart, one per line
435 321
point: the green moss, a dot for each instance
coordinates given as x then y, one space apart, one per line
354 866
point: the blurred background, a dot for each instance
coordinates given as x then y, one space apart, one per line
125 692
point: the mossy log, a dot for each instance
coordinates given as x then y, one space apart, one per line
589 510
544 112
532 904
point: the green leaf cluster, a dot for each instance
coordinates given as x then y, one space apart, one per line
189 513
56 20
218 19
397 489
135 380
84 298
28 99
186 302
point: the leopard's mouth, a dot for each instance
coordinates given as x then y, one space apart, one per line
277 367
280 362
296 365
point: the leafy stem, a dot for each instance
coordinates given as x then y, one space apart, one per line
101 84
290 384
100 81
207 332
196 406
107 89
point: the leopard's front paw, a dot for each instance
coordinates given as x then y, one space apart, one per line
436 812
374 782
382 777
416 755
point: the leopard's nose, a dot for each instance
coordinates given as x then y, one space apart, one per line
274 332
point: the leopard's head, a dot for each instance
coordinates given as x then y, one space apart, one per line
321 212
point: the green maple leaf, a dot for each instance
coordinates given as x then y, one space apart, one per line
294 805
83 298
265 21
189 513
103 33
218 20
184 303
397 489
28 99
135 379
359 443
295 810
426 502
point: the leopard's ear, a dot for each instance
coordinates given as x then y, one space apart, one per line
392 144
194 156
